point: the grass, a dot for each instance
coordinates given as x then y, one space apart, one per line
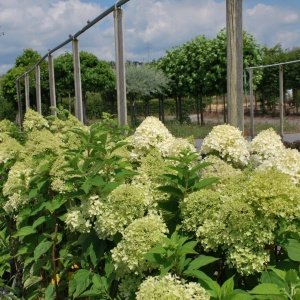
187 130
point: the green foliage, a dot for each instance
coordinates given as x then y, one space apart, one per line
145 82
171 256
82 218
183 178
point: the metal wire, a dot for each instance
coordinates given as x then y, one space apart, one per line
274 65
77 34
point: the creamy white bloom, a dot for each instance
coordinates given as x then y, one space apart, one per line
228 143
122 206
286 161
138 238
170 287
266 145
76 221
34 121
9 148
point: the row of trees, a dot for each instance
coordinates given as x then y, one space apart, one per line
195 70
267 89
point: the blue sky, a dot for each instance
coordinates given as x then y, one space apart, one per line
151 26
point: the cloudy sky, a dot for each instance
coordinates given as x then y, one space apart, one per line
151 26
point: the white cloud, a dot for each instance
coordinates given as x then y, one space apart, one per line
272 24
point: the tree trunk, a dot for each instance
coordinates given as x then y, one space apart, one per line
163 110
176 108
198 110
180 110
201 110
224 110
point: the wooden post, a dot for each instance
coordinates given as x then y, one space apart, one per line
251 103
52 84
235 63
27 100
38 89
281 96
20 109
120 67
77 81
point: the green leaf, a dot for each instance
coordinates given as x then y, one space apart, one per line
266 289
40 221
50 292
293 249
205 281
110 186
200 261
188 248
83 280
55 204
272 277
25 231
33 193
158 250
227 287
92 181
205 182
292 277
171 190
32 280
41 249
91 293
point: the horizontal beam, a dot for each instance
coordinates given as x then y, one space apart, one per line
100 17
71 37
274 65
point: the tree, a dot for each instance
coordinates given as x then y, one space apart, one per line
144 82
96 76
198 67
268 87
23 63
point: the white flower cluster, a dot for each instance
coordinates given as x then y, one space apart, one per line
170 287
153 134
7 126
123 205
34 121
75 221
219 168
58 174
286 161
152 166
18 178
227 142
9 148
265 146
138 238
173 147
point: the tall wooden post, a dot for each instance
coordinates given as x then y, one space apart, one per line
20 108
38 89
52 83
77 81
281 98
120 67
27 100
251 103
235 63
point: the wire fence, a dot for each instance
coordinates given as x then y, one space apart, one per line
281 93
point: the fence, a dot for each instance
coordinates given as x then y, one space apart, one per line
281 93
120 69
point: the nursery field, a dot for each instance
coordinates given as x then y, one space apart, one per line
104 212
